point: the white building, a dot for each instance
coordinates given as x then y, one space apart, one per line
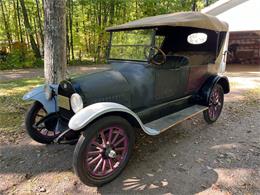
243 17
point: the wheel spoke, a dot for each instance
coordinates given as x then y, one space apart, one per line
110 135
117 134
213 113
92 153
97 145
39 115
119 149
98 165
103 138
95 160
118 142
110 163
104 166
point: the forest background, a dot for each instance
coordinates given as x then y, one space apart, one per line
22 21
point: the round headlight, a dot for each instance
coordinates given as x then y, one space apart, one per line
76 102
48 92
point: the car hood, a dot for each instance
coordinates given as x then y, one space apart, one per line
103 86
126 83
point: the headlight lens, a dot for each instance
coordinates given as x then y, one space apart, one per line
48 92
76 102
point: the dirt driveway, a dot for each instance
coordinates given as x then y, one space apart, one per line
193 157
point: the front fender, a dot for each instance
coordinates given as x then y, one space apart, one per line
85 116
37 94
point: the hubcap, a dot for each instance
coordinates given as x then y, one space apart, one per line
111 153
106 152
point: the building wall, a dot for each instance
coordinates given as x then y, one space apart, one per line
244 47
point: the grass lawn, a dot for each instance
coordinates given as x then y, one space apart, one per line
13 108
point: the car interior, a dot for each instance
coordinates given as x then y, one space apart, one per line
179 52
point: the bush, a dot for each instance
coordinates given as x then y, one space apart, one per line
18 58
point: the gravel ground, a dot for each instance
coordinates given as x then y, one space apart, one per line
193 157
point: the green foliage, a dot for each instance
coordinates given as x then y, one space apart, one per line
130 45
86 24
20 59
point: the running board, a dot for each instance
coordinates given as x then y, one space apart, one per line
162 124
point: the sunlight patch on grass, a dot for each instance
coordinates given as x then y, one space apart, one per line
19 87
253 96
12 107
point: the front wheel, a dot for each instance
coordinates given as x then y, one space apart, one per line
40 128
103 150
216 101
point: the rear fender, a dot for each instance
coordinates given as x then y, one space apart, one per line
37 94
210 83
90 113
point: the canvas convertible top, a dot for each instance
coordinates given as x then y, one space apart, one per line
184 19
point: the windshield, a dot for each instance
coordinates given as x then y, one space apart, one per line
130 45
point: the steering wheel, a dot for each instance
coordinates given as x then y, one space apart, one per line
158 57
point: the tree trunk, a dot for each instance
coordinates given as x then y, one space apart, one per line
7 31
70 4
39 21
19 22
193 5
29 31
54 40
16 21
67 38
36 34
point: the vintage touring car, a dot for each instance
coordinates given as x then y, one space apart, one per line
163 70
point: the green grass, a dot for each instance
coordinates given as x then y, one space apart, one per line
12 107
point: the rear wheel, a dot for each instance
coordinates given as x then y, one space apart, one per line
42 131
216 101
103 152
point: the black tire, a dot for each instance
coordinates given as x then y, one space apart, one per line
216 106
91 132
30 120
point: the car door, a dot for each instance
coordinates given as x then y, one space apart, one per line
200 64
170 81
197 76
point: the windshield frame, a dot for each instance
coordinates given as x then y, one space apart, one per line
152 44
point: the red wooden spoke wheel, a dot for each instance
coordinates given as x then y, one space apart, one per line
40 127
106 152
103 151
216 101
